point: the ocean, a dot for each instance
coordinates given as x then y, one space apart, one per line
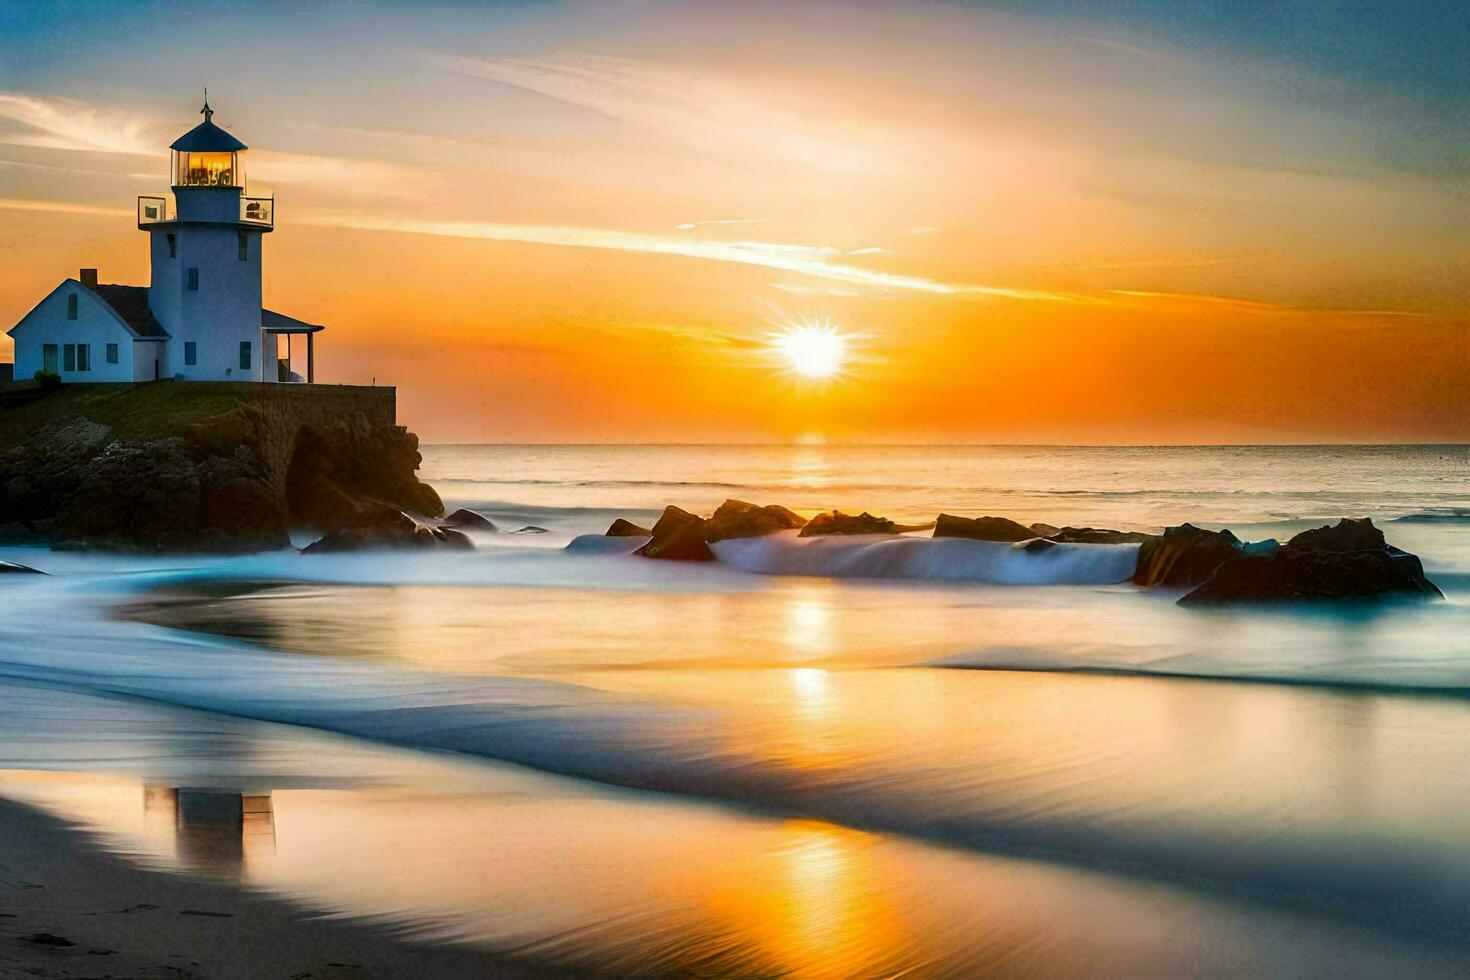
930 758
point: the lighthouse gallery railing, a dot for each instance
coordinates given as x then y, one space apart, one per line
253 211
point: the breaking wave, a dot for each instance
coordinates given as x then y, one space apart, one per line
932 559
900 557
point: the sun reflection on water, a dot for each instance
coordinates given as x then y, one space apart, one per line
815 904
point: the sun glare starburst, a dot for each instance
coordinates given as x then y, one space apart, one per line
812 349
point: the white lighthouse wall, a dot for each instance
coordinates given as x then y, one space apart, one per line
96 326
163 294
222 313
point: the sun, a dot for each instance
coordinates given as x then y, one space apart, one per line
812 350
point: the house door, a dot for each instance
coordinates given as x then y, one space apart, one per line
155 362
50 358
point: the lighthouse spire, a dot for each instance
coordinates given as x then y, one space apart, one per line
207 111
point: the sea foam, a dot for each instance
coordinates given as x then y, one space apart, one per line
933 559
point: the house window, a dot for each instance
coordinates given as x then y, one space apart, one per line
71 306
50 358
191 352
244 244
173 247
112 353
69 357
194 279
244 355
84 357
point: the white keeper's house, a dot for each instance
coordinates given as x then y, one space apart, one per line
199 318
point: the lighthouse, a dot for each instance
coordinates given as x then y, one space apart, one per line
206 258
200 317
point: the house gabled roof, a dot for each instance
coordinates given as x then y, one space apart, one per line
130 303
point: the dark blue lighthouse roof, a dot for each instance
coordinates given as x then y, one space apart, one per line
207 137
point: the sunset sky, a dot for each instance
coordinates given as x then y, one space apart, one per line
583 222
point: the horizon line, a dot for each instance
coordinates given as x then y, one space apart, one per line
962 445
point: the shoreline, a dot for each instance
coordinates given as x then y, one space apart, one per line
120 920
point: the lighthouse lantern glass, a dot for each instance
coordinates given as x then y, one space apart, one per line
207 170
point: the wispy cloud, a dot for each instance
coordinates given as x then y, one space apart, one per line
60 207
702 110
1232 304
1123 47
810 260
691 225
1199 263
871 250
55 123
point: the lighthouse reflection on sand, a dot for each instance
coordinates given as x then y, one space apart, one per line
213 831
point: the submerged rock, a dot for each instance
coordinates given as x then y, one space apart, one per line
626 529
982 528
530 529
678 536
1349 560
839 523
464 518
1186 556
15 568
1034 545
389 529
738 519
1098 535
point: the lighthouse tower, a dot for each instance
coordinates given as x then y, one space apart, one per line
205 290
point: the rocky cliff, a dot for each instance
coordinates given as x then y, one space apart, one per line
218 466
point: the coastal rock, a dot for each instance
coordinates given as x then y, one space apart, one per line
626 529
981 528
470 519
1348 534
1098 535
1034 545
1350 560
389 529
678 536
1044 530
837 522
738 519
227 466
15 568
530 529
1186 556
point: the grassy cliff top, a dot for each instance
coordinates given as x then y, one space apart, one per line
143 412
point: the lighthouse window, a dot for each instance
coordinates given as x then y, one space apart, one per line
71 307
173 247
194 279
207 169
191 353
112 353
244 355
244 246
